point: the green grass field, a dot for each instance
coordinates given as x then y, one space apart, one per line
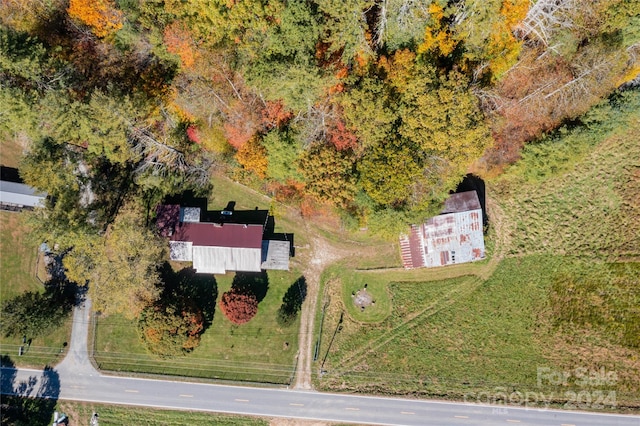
457 336
591 211
18 258
260 350
81 413
555 299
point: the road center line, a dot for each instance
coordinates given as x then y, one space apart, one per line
185 395
296 404
131 391
513 421
566 424
352 409
461 417
242 400
407 412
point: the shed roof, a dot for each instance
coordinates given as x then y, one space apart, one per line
461 202
20 194
275 254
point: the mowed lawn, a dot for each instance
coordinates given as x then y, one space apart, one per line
260 350
18 258
557 303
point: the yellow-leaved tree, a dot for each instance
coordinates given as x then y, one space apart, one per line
503 47
253 156
121 267
438 37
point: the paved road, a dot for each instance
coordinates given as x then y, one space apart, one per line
79 381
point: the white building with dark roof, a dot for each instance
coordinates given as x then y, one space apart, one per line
223 241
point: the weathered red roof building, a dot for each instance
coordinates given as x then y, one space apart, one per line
454 236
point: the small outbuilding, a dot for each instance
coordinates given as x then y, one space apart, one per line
454 236
16 196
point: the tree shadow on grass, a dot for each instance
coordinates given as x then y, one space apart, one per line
34 314
187 285
292 302
256 283
30 402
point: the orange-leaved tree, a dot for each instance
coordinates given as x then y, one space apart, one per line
179 41
101 15
275 115
253 156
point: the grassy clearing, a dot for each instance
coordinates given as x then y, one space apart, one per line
17 275
380 256
18 258
260 350
286 219
81 413
44 350
10 152
462 336
570 210
350 282
289 219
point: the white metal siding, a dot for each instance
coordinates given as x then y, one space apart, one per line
20 194
219 260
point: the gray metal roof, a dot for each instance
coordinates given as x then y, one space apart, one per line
461 202
275 254
20 194
190 214
219 260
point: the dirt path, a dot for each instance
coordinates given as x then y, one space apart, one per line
322 254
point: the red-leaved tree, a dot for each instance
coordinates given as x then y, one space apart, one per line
274 114
239 306
342 138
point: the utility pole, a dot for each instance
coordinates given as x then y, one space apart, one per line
338 327
317 349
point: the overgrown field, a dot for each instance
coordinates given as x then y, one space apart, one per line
18 257
564 301
261 350
81 413
577 193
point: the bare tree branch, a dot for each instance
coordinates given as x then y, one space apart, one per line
547 16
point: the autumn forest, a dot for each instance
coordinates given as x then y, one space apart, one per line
375 108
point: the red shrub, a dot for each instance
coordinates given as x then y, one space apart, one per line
239 307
